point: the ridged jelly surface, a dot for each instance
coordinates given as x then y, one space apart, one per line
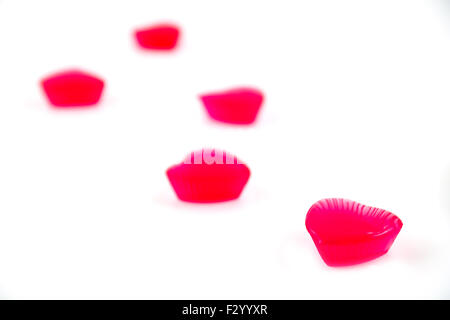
200 179
346 232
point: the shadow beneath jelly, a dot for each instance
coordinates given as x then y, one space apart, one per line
228 206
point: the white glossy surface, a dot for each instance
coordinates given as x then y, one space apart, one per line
357 107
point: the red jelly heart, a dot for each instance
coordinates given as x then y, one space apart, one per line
72 88
158 37
346 232
237 106
208 176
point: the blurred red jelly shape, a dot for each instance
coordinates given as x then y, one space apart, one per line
72 88
158 37
236 106
208 175
347 233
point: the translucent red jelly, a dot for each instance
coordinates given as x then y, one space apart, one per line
208 176
347 233
158 37
72 88
236 106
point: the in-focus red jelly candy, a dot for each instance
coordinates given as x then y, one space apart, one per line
208 176
346 232
72 88
158 37
236 106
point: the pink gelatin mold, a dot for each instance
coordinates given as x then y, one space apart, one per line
72 88
347 233
158 37
208 176
235 106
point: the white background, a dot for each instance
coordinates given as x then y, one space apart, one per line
357 106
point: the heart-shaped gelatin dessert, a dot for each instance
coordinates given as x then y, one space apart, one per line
72 88
236 106
158 37
347 233
208 176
